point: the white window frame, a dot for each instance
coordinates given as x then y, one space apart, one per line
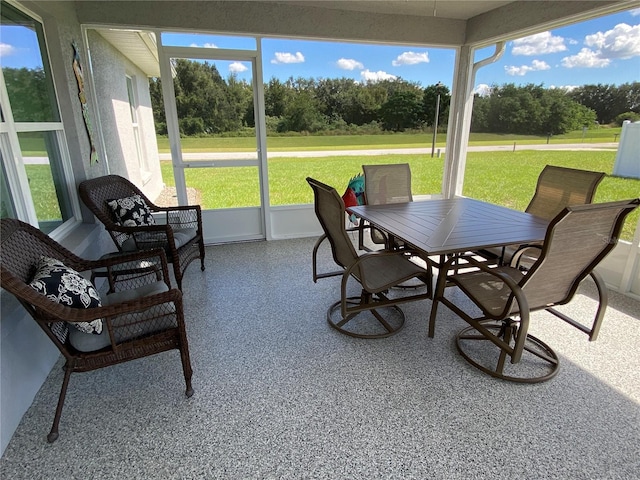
14 167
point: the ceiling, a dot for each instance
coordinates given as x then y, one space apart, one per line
457 9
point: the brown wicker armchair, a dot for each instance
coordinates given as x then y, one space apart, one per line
577 240
141 316
178 229
376 272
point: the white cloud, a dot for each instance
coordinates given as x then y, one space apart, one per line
7 50
349 64
621 42
566 88
536 65
635 12
410 58
586 59
369 76
538 44
285 57
482 89
237 67
204 45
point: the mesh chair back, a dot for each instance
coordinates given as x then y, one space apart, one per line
387 183
329 209
577 240
560 187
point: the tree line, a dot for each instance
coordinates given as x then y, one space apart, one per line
207 103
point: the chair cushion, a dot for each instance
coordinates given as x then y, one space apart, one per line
89 343
63 284
181 236
131 211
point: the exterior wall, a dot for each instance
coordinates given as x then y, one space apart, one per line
27 355
110 69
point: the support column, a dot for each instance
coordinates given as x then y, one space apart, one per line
460 117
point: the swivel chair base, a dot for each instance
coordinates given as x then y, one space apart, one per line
378 322
539 362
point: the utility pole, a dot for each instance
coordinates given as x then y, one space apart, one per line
435 121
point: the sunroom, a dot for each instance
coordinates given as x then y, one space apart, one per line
94 118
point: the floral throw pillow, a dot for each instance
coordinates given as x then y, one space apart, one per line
131 211
66 286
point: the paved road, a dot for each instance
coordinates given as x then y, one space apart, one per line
386 151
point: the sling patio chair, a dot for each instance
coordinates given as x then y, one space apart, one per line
577 240
142 316
383 184
128 215
375 313
557 188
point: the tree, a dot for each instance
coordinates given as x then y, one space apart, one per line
157 105
529 109
608 101
301 115
28 90
430 102
631 116
401 111
480 115
276 96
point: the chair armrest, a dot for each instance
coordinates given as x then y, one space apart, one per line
314 262
519 254
125 271
56 312
178 208
183 216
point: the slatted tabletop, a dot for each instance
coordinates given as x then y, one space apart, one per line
455 225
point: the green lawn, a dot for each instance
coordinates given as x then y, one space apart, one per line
504 178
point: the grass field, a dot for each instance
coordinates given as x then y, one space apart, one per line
504 178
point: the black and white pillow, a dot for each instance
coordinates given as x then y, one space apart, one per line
131 211
64 285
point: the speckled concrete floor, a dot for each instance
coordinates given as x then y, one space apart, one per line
281 395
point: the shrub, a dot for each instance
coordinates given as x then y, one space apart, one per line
633 116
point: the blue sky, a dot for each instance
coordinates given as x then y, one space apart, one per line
605 50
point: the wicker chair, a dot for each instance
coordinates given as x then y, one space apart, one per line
179 231
388 183
577 239
557 188
373 314
143 316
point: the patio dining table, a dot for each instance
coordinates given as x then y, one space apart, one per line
455 225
